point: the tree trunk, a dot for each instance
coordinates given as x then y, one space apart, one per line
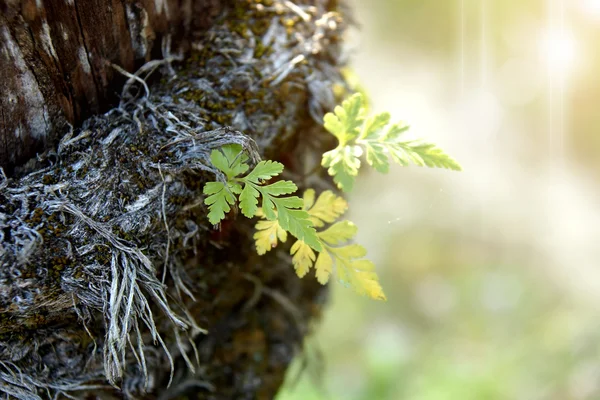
113 284
56 56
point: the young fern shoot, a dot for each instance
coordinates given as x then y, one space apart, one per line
373 136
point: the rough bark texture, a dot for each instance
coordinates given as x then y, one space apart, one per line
112 282
56 56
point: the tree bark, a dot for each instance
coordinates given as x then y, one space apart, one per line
113 284
56 56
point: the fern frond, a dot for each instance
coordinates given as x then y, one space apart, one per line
336 253
326 209
230 160
352 269
220 197
303 257
287 211
357 135
346 119
267 234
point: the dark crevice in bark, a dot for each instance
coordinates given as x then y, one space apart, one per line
85 46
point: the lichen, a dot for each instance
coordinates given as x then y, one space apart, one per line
109 269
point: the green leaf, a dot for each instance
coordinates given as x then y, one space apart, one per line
281 187
264 170
377 157
422 154
374 124
297 222
394 132
230 160
252 190
249 201
220 197
343 164
344 123
380 145
286 210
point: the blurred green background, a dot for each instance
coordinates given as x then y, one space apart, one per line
492 274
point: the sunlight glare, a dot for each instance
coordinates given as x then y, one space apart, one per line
591 6
559 51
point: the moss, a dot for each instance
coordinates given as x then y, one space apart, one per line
49 179
36 217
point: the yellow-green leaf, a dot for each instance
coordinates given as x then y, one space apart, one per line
374 124
335 252
267 234
362 278
357 272
326 209
309 199
324 267
338 233
345 121
357 135
343 164
303 257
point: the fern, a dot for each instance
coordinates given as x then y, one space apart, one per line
331 249
267 234
221 197
286 211
347 259
374 137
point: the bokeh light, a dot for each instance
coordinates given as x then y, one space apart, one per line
492 274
